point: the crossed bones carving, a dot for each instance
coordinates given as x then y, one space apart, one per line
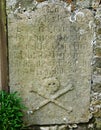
54 97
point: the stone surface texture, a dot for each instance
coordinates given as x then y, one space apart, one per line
50 52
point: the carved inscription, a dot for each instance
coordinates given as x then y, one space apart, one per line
50 58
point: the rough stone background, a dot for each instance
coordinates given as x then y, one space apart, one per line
95 108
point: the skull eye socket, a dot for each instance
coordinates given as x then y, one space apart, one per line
51 84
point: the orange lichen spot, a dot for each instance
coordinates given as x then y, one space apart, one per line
69 1
73 7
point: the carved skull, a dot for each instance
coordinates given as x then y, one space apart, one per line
51 85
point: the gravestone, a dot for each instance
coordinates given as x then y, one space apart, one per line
50 53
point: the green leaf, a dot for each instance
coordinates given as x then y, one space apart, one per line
10 111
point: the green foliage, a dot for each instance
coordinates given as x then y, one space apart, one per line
10 111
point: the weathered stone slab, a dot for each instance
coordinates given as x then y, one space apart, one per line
50 56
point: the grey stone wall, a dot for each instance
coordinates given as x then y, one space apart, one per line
95 105
96 77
